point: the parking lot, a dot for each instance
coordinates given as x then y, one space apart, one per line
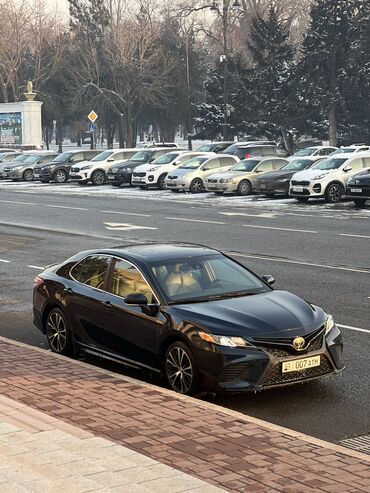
315 250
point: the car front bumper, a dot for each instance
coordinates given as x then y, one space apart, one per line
81 175
280 188
15 174
178 184
311 189
225 369
362 192
118 178
221 187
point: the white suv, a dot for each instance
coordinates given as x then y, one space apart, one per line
328 177
193 174
154 174
353 149
95 170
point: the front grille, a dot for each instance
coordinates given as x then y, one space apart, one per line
37 171
212 180
172 177
233 372
276 377
303 183
140 174
314 345
75 170
314 342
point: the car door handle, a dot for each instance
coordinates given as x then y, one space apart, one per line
68 290
107 304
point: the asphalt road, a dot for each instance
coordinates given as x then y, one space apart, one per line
316 251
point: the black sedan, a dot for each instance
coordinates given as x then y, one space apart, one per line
277 182
358 187
189 312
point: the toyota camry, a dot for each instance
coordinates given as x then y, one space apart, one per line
188 312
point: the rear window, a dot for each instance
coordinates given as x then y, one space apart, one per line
247 152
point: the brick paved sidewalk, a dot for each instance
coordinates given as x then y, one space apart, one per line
223 448
40 454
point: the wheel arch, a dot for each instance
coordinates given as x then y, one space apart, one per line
167 341
47 310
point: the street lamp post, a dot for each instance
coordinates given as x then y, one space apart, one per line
224 57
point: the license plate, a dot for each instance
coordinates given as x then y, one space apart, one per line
111 177
297 189
36 176
300 364
138 180
171 183
356 190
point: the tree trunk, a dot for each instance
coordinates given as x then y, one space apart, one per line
47 137
59 135
332 126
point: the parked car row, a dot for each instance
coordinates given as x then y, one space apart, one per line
242 168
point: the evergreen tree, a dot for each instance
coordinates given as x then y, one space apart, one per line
323 69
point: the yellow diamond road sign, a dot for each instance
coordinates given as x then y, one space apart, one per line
92 116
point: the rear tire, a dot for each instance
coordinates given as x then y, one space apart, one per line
359 202
98 178
244 188
27 175
180 369
196 186
58 333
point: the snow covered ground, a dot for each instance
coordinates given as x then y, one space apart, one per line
259 203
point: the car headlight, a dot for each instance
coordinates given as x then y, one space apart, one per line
282 180
154 169
87 167
320 177
16 167
329 324
127 170
224 340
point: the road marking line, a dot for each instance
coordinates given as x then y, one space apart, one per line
194 220
36 267
272 259
65 207
353 328
5 261
16 202
124 226
280 229
127 213
355 236
263 214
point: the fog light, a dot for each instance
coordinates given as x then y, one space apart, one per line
151 178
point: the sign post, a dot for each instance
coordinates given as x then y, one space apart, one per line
92 116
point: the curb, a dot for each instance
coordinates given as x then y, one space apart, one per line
206 405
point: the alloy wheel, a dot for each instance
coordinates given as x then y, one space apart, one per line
179 370
60 176
28 175
56 332
98 178
196 185
334 193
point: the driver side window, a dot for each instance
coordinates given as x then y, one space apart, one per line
126 279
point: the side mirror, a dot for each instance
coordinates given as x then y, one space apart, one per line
136 299
151 159
176 163
347 168
110 160
268 279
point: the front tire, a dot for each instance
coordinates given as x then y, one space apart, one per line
180 369
98 178
162 181
196 186
58 333
333 193
60 176
28 175
359 202
244 188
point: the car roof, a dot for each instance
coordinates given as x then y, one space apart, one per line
246 146
151 252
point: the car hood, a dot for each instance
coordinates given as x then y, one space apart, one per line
182 171
278 175
361 179
128 164
312 174
276 314
82 163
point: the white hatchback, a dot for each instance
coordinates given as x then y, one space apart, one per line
154 174
327 178
95 170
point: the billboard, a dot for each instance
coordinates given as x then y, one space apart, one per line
11 128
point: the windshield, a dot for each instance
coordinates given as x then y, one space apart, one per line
331 163
205 278
297 165
32 159
141 156
246 165
194 163
166 158
305 152
21 158
102 156
62 158
207 147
